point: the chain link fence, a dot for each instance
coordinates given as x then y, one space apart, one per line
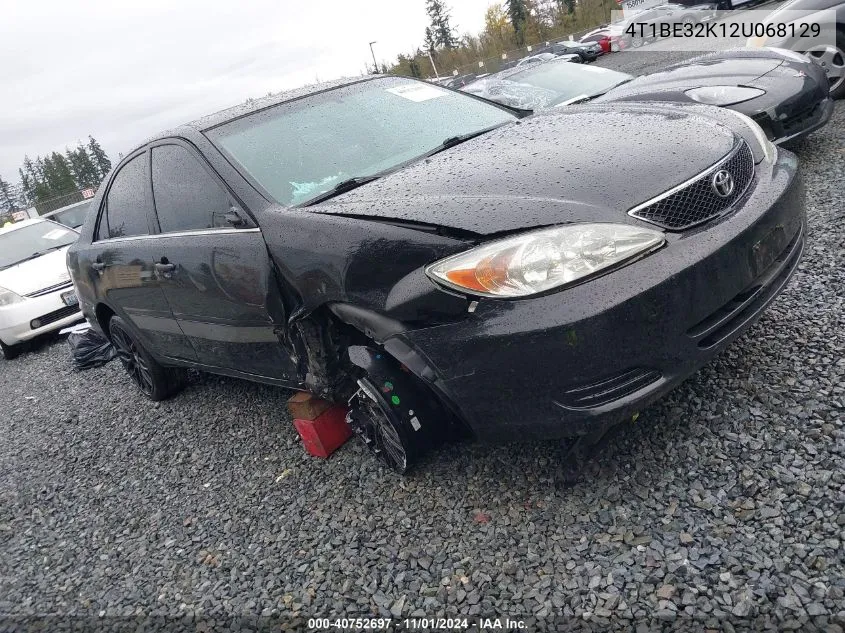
58 202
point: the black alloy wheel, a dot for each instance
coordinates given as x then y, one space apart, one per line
154 381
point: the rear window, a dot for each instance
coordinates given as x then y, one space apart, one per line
73 217
125 213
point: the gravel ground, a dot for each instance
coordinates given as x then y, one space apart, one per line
724 500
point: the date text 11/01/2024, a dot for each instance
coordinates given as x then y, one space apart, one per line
418 624
735 30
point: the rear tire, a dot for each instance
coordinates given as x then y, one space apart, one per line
10 352
152 379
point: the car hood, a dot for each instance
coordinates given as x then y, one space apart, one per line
36 274
583 163
708 71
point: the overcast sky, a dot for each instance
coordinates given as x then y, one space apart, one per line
123 71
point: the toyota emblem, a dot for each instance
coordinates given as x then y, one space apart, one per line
722 183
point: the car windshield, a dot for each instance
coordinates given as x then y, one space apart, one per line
549 84
33 240
73 217
301 149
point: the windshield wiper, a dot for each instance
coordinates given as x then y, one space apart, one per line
342 187
585 98
460 138
35 255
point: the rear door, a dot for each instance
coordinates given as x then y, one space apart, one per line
120 261
214 267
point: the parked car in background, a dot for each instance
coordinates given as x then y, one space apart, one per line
459 81
600 36
439 262
72 215
36 292
545 57
588 52
782 91
829 56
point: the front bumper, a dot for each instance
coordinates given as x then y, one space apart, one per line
16 319
797 123
797 101
597 353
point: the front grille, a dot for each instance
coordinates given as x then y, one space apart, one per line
609 389
696 201
58 315
48 290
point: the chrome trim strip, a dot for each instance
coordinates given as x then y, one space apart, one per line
48 290
112 240
690 181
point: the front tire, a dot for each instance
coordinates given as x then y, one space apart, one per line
152 379
11 352
397 416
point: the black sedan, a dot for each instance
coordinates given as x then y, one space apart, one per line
441 263
783 91
587 51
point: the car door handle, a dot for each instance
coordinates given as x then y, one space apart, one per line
165 268
98 266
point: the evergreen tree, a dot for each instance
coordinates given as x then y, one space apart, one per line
430 43
7 200
415 68
26 185
57 175
518 13
441 30
85 172
98 157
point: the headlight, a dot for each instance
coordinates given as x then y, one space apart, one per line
723 95
541 260
769 149
7 297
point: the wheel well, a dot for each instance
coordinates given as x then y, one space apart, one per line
104 315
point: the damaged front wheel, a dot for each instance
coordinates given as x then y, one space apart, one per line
395 416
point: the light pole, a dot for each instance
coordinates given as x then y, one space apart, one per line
375 63
431 59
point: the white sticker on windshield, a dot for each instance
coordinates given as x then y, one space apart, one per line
55 234
417 92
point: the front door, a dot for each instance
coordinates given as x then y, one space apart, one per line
214 268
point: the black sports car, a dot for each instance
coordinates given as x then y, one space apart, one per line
441 263
587 51
785 93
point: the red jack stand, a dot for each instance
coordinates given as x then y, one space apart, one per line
321 425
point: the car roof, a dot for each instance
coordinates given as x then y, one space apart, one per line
256 105
21 224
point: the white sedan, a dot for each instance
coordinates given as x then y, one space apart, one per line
36 293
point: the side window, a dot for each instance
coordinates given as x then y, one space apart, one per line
125 211
186 196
